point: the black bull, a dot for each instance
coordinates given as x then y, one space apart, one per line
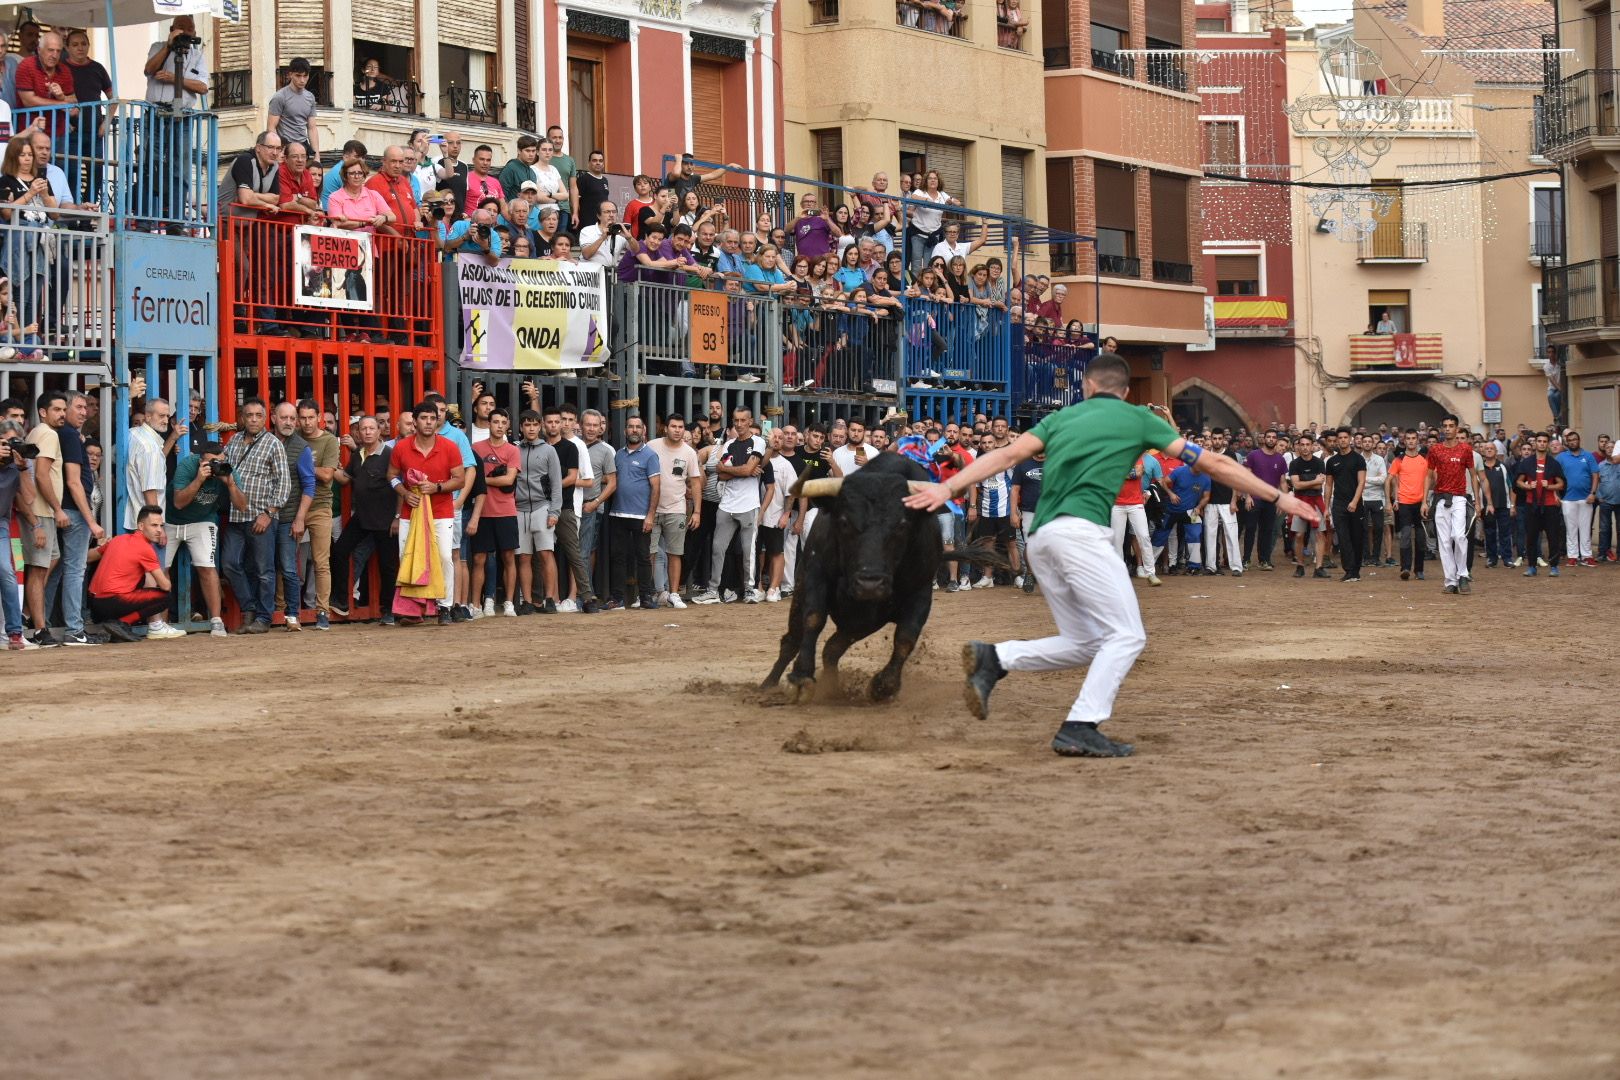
867 562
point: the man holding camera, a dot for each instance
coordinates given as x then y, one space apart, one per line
604 243
177 67
472 236
13 471
202 488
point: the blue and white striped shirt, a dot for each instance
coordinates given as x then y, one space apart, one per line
995 495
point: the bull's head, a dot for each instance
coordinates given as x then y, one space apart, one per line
869 527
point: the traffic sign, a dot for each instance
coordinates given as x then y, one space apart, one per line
1491 390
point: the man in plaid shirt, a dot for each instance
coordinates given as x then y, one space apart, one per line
259 466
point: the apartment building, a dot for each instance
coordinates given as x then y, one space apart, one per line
640 79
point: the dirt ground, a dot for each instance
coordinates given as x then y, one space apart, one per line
1369 831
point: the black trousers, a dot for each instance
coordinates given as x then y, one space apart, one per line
1259 531
1347 526
1542 521
386 547
143 602
1410 537
629 552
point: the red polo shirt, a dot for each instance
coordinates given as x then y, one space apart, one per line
31 76
292 185
401 199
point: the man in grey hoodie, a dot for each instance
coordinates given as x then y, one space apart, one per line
539 502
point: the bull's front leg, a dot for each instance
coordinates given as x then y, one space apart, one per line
802 678
790 642
907 629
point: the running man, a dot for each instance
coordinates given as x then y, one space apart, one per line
1451 472
1089 448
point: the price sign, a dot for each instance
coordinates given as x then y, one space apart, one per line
710 327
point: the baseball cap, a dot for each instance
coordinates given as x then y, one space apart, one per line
528 185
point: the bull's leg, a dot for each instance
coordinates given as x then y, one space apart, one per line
907 629
831 653
790 644
803 676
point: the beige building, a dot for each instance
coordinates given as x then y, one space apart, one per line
1411 321
893 86
1579 130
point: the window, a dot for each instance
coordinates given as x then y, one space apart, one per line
1115 189
1389 311
1540 350
1237 275
1210 26
1164 24
1171 234
830 163
586 112
392 88
1546 222
919 153
1223 142
1060 210
709 111
1014 167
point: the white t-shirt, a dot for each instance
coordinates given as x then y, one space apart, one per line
926 218
677 466
844 458
782 476
549 180
944 250
145 472
612 249
585 475
740 494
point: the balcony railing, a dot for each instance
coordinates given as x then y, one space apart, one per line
404 98
1396 354
528 120
1175 273
823 12
1055 57
1580 108
232 89
1167 71
1546 242
934 16
1581 297
1011 35
1117 63
1395 242
474 106
320 84
1119 265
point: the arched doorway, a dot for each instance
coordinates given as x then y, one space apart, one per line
1397 408
1197 405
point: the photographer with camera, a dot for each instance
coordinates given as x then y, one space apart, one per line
204 485
14 457
605 242
472 236
177 68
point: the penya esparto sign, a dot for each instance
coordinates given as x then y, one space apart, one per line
531 314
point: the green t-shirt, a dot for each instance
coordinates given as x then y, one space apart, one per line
565 168
327 453
1090 448
212 498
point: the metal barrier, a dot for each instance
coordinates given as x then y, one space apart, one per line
361 378
404 289
744 205
839 349
958 406
155 167
805 411
60 283
955 343
1047 364
653 334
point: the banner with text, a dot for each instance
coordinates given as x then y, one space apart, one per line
531 314
333 268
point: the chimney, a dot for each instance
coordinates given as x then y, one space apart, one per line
1427 17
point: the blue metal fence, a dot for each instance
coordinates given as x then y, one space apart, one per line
1047 364
956 345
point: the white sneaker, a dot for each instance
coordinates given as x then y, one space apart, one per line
964 584
1142 571
634 604
509 609
1153 579
474 612
936 586
985 583
291 626
773 596
752 597
1018 582
567 607
489 606
661 599
676 602
749 378
707 596
728 597
163 632
217 628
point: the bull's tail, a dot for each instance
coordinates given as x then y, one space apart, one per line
980 553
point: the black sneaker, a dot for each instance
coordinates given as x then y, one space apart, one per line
1321 572
1029 583
1299 571
445 617
1266 566
44 639
1405 574
1075 739
459 613
1350 578
525 608
1451 588
1465 585
1210 571
983 671
118 630
341 610
77 639
590 607
549 607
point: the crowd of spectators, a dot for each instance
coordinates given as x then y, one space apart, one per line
538 514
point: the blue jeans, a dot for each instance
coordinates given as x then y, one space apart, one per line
287 566
1498 525
1608 515
69 572
10 599
249 564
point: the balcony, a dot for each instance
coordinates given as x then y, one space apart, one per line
232 89
1546 243
933 16
1174 273
320 84
1168 72
404 98
1055 57
1403 242
1578 116
1119 265
1117 63
1582 302
474 106
1252 317
1395 355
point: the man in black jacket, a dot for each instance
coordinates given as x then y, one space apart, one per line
373 515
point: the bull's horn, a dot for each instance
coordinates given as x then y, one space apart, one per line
823 488
914 486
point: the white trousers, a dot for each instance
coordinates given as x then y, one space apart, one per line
1451 536
1220 519
444 536
1577 528
1089 593
790 553
1136 518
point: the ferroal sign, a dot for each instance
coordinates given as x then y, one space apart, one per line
166 301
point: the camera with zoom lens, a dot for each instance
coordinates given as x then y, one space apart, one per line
184 42
25 450
218 470
438 209
483 231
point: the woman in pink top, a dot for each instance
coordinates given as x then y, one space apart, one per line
362 209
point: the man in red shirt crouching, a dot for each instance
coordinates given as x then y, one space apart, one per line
130 581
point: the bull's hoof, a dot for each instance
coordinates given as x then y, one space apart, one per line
801 690
883 688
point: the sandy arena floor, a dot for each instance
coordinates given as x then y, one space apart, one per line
582 847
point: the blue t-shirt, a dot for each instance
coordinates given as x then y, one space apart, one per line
850 278
635 468
1026 477
1580 466
752 273
459 437
459 231
1186 488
